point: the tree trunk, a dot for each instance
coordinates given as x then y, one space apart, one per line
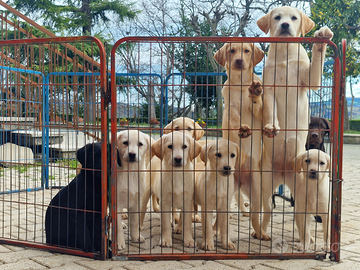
85 8
151 107
352 100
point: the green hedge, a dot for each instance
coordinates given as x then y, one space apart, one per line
355 125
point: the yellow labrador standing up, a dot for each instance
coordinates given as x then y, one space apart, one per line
242 117
287 76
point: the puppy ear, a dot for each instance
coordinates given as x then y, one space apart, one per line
205 152
220 56
306 24
152 141
243 157
198 132
328 165
149 154
195 149
264 23
118 160
156 148
328 126
168 128
296 163
80 155
258 55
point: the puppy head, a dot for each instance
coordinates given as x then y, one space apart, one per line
133 146
90 157
238 56
222 156
318 128
313 162
176 148
185 125
285 22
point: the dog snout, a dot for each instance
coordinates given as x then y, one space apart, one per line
132 157
285 25
315 135
226 170
177 160
313 173
239 63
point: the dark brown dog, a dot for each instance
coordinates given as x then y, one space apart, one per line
318 128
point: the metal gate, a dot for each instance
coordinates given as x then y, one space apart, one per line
185 56
53 104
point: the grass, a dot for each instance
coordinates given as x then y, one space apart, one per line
351 132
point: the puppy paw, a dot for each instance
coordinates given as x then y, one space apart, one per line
121 246
138 239
324 32
196 218
166 243
228 245
264 236
209 245
301 247
189 242
178 229
123 225
176 218
244 131
271 131
255 90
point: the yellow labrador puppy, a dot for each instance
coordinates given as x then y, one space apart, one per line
189 127
242 117
214 189
312 195
133 149
175 186
288 76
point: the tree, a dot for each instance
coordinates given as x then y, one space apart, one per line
75 17
343 18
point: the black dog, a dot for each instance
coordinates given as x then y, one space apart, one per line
73 218
318 128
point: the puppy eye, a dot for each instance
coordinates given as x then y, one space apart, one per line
125 143
307 160
322 163
247 51
140 144
232 155
277 18
232 51
293 18
189 128
184 146
177 128
218 155
170 146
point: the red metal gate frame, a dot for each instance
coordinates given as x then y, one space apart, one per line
337 134
104 250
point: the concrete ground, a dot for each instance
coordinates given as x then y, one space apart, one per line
14 257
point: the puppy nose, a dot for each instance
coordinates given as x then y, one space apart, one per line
285 25
313 172
132 156
239 61
178 159
314 135
227 168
